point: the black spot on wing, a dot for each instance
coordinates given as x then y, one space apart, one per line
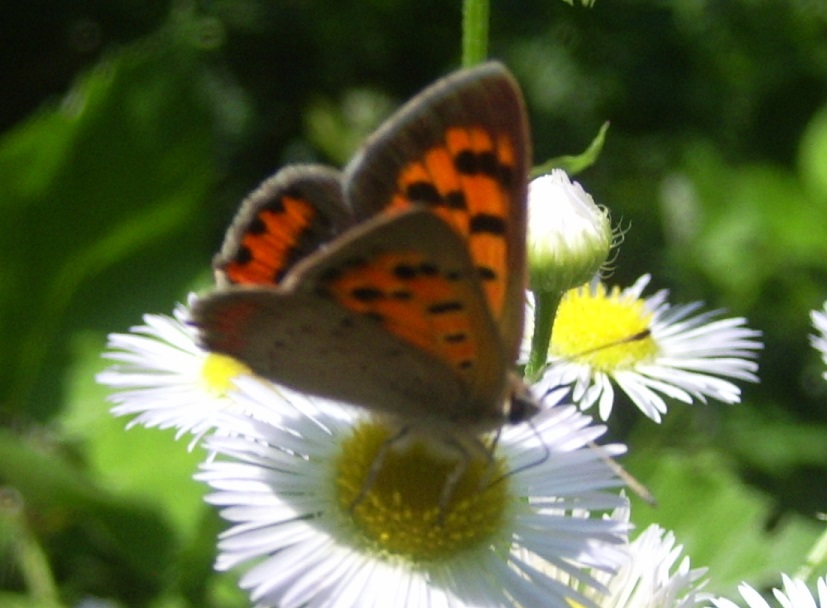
404 272
402 295
367 294
468 162
487 223
446 306
486 274
243 255
428 269
256 226
455 199
423 192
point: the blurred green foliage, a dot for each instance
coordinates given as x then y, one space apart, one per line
130 131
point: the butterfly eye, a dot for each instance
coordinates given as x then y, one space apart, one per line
522 405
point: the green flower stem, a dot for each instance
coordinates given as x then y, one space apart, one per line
816 558
30 557
545 309
474 32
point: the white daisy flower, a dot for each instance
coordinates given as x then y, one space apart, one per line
647 348
569 236
794 595
819 342
329 511
166 379
569 239
651 575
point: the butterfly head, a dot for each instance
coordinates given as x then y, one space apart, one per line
521 404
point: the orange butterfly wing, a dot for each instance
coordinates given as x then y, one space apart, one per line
344 321
288 217
461 149
432 275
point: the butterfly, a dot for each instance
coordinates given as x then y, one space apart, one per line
396 285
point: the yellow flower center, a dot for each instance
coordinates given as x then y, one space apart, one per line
605 329
399 513
218 372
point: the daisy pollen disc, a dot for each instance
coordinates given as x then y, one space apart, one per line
595 327
218 372
396 498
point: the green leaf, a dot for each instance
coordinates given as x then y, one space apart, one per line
15 600
722 523
574 164
129 460
69 505
338 129
748 226
107 182
813 157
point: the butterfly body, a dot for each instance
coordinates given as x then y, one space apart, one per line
396 286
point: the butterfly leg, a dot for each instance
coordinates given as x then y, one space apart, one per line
452 479
488 451
376 465
466 456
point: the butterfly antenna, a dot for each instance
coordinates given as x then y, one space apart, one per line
529 465
631 482
641 335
